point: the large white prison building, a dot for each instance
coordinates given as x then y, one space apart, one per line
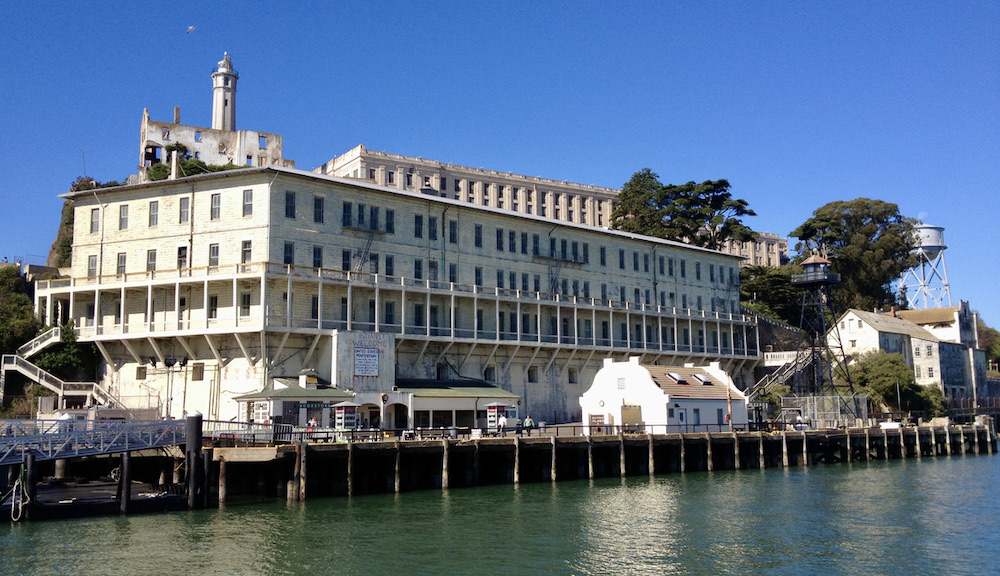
200 289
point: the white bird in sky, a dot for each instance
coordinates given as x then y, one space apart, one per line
190 29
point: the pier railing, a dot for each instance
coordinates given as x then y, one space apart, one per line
56 439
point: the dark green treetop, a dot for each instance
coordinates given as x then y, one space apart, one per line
868 242
703 214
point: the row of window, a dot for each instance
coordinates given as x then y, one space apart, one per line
377 264
121 260
367 217
183 211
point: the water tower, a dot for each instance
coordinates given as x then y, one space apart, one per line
926 284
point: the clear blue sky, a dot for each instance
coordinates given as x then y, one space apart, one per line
796 103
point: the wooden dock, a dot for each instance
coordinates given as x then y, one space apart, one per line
306 470
199 476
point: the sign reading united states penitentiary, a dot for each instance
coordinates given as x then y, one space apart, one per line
365 361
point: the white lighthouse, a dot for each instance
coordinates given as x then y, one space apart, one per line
224 95
926 284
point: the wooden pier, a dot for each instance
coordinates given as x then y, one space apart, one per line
198 476
306 470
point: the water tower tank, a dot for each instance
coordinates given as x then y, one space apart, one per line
931 241
926 284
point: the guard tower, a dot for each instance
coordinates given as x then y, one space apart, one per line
224 95
815 358
926 284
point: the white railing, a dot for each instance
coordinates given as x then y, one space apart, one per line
40 342
54 439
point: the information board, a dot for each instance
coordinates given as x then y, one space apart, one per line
365 361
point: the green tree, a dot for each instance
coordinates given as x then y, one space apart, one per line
18 323
703 214
189 167
868 243
61 251
768 291
989 340
69 360
890 383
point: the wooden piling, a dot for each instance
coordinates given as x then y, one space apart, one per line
397 478
736 451
683 459
652 460
517 461
222 481
760 449
805 449
303 475
475 462
621 453
552 471
125 483
292 486
784 449
590 457
916 432
708 451
350 469
444 463
30 486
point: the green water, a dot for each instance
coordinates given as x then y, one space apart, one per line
932 516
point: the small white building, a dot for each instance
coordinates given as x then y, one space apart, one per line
662 399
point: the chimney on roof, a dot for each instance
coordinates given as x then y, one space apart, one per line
177 114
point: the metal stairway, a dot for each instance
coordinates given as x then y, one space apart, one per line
40 342
362 256
90 391
780 376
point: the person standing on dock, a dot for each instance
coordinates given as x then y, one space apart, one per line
502 425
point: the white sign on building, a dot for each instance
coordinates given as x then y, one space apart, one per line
365 361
